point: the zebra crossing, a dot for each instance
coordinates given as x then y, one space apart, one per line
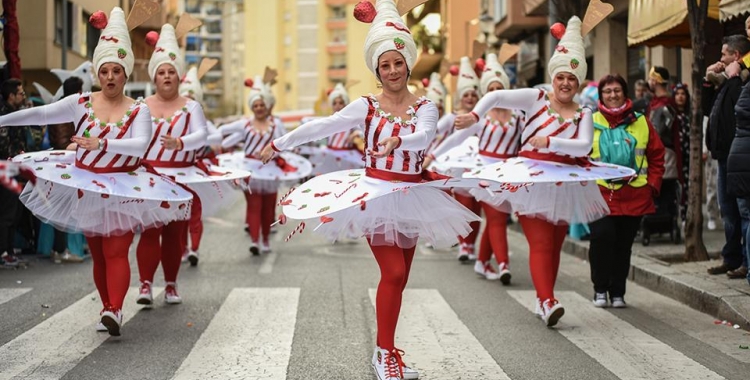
252 334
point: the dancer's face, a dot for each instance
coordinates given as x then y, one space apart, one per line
393 71
469 100
166 79
112 77
338 104
565 86
495 86
260 110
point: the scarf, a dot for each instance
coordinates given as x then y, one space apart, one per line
618 116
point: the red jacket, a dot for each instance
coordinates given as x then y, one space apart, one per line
637 201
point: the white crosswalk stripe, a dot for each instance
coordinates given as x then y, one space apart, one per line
250 337
437 343
51 348
623 349
7 294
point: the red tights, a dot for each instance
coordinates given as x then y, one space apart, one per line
111 267
545 243
164 244
196 232
260 214
472 204
395 264
495 236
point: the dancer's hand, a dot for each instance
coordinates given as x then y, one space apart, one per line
87 143
267 154
464 121
170 142
389 145
539 142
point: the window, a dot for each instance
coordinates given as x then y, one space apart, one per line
64 23
501 10
193 43
92 37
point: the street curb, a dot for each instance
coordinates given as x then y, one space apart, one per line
712 298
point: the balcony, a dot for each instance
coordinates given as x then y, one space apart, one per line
336 73
517 24
336 23
338 3
336 47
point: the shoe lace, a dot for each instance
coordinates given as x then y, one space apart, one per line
171 289
393 364
488 268
550 303
145 287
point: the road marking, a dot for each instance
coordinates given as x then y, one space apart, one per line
7 294
220 222
267 266
437 343
620 347
250 337
56 345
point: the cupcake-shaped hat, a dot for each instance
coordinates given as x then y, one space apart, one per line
114 43
339 91
388 32
166 51
436 90
268 94
191 85
570 54
467 78
257 92
493 72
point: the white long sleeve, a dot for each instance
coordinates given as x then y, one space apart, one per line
62 111
520 99
214 135
458 137
580 145
235 126
344 120
197 131
424 133
445 124
135 146
232 140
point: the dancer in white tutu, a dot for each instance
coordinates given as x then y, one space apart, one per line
191 88
178 131
256 133
499 136
545 186
99 189
340 151
467 94
392 202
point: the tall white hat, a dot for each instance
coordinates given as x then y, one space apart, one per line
467 78
191 85
570 53
114 44
338 91
388 32
493 72
436 91
166 51
257 91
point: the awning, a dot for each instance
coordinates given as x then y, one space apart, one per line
535 7
662 22
426 64
729 9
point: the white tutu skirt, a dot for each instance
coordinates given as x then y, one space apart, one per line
216 189
325 160
559 193
266 179
346 203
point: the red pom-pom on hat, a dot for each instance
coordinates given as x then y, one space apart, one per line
453 70
557 30
249 82
98 20
480 64
152 38
364 11
329 91
425 82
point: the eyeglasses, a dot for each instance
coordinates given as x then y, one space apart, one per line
610 91
22 93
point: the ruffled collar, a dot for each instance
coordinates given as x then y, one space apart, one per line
92 117
560 119
412 111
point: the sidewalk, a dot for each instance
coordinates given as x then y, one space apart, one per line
658 267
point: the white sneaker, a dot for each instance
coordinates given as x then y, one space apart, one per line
184 257
100 327
463 252
170 294
504 272
254 249
387 365
112 321
192 257
711 225
265 248
600 300
618 302
145 297
486 270
428 245
408 373
551 311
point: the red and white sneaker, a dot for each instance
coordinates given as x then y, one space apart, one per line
170 294
184 257
192 257
265 247
551 310
504 272
254 249
388 364
466 252
112 320
408 373
145 296
99 325
486 270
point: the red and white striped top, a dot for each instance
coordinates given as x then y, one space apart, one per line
254 140
415 134
341 140
125 141
498 140
566 137
189 125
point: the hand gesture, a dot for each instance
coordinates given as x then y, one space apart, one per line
267 154
464 121
389 144
87 143
715 68
538 142
170 142
733 69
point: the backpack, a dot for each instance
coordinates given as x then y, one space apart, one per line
617 146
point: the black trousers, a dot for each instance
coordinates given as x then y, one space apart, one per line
609 252
8 219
